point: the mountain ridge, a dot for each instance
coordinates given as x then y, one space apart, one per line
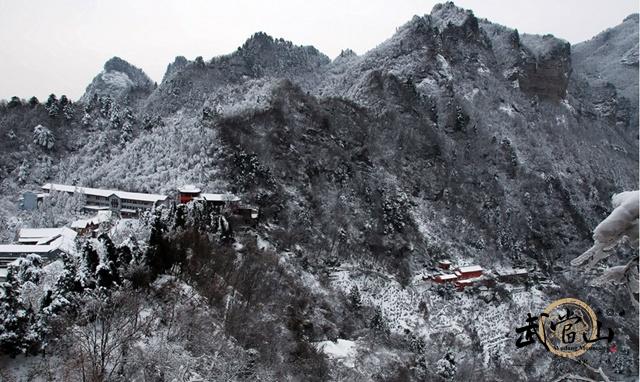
455 139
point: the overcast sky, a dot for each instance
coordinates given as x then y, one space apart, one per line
59 46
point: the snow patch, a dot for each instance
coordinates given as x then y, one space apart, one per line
341 350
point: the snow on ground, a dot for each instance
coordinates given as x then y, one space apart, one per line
341 350
491 317
399 305
123 229
508 109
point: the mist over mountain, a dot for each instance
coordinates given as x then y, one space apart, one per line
456 139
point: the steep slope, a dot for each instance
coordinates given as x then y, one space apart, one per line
609 63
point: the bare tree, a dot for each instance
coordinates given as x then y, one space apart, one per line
105 329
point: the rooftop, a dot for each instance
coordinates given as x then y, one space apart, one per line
189 189
21 248
100 217
220 197
36 234
105 193
447 277
62 238
470 268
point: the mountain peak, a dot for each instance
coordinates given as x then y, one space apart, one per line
445 14
119 79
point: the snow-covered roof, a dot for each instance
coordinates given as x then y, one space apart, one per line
471 268
220 197
447 277
445 262
62 238
105 193
21 248
101 217
189 189
512 272
36 234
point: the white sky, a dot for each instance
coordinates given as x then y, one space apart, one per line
58 46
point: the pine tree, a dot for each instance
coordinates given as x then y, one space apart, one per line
52 106
128 115
416 344
446 367
51 100
114 118
378 323
68 282
33 102
16 318
54 110
105 106
13 319
14 102
147 122
67 111
91 258
126 133
355 300
86 120
23 172
43 137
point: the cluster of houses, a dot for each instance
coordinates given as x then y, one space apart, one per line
107 205
49 243
474 275
129 204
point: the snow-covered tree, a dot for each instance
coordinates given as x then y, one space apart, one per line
126 132
355 300
105 106
620 226
44 137
378 322
33 101
23 171
127 115
446 367
14 102
52 106
17 321
114 118
67 111
86 120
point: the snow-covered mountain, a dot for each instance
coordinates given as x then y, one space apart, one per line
455 139
120 81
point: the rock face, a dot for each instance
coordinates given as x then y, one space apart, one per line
546 70
611 57
121 81
177 65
